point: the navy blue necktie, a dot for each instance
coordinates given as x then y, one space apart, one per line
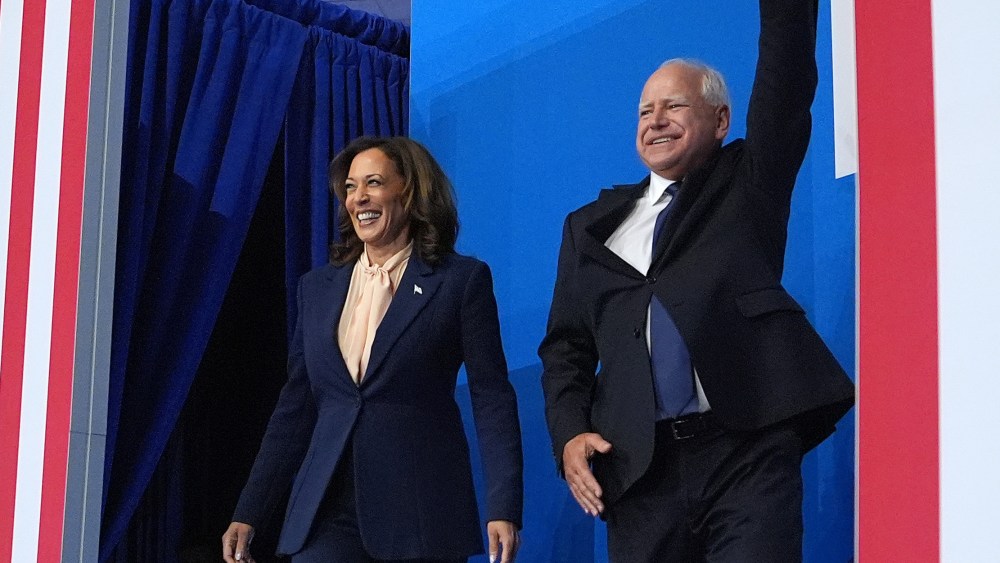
673 379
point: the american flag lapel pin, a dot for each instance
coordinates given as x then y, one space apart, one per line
417 290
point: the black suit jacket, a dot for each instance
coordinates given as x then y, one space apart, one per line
412 475
717 270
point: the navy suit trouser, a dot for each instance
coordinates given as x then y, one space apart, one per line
720 497
335 537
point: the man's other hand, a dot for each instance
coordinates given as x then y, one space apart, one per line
576 467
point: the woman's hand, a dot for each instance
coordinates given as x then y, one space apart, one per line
506 534
236 543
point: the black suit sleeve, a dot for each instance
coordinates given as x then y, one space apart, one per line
494 404
568 353
778 120
285 441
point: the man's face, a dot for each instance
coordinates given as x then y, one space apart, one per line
677 129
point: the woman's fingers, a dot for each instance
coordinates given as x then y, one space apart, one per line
236 543
505 540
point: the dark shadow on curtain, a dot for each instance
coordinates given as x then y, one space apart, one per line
236 386
208 89
198 478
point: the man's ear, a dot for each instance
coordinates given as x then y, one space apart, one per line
722 114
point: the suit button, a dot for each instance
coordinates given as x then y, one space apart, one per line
650 280
636 333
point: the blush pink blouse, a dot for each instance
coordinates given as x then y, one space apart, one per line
368 298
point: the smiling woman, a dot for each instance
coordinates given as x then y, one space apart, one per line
406 312
398 180
374 203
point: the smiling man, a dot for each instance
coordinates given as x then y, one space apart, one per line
712 383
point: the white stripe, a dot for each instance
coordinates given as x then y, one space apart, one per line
38 330
966 83
11 12
845 88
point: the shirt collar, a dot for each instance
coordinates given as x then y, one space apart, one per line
657 185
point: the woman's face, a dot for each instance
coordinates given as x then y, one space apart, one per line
375 203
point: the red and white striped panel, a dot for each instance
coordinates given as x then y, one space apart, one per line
45 56
929 280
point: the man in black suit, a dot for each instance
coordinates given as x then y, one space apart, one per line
712 383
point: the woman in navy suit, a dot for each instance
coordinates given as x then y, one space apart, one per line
366 430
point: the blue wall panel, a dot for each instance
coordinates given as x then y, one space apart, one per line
530 107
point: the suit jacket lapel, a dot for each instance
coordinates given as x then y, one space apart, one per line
614 206
416 289
332 297
693 202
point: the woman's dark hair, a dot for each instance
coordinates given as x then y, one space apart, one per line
427 196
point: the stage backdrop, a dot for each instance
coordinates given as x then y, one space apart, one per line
530 108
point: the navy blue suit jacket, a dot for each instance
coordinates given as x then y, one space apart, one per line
413 479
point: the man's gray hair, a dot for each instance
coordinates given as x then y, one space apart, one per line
713 85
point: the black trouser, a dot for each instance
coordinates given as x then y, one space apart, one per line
335 537
718 497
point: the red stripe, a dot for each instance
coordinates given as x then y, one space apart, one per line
18 261
898 514
74 156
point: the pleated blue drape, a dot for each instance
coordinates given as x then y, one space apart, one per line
385 35
345 89
209 86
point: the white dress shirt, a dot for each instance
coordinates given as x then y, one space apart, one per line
633 242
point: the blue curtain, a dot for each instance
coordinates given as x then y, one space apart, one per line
208 88
384 34
345 89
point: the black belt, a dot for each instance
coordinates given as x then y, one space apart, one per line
687 426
